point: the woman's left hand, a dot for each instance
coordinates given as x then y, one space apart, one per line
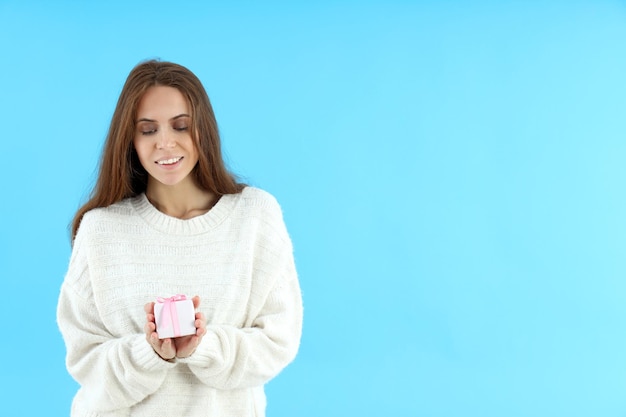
186 345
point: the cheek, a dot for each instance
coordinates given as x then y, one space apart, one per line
193 148
140 148
142 153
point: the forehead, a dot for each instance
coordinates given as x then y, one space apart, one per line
160 102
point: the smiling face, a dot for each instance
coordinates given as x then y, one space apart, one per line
163 140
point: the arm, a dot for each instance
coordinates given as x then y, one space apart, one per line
114 372
230 358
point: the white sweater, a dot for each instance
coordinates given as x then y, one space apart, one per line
237 257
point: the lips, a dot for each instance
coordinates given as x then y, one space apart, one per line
170 161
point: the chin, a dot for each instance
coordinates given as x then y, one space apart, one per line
168 182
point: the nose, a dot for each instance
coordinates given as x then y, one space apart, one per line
165 141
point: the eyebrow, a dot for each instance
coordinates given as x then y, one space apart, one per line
143 119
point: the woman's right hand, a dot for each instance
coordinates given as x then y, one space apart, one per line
165 348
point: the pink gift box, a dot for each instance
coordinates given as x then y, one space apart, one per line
174 316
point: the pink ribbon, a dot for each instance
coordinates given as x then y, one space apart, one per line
169 313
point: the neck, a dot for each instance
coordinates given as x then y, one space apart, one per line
183 200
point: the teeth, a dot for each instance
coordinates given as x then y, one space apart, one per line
169 161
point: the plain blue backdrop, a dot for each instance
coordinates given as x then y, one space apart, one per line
452 174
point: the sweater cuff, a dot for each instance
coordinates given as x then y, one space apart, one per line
145 357
207 351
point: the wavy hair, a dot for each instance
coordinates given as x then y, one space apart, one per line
121 174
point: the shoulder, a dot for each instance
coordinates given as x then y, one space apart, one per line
256 197
115 211
102 218
263 209
255 202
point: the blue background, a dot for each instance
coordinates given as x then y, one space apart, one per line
452 175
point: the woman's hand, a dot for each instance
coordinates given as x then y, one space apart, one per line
186 345
165 348
181 347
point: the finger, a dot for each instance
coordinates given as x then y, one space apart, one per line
168 350
189 347
163 347
200 324
153 340
200 332
196 301
149 308
149 328
150 318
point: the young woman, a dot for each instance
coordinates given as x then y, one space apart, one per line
166 218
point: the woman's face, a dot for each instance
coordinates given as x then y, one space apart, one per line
163 139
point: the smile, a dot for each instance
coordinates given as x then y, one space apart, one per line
170 161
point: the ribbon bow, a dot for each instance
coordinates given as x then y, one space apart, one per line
169 313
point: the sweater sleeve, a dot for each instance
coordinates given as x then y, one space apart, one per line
232 358
114 372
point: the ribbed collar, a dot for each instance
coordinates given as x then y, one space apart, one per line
175 226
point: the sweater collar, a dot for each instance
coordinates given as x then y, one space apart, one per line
175 226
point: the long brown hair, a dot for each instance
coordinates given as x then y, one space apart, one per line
121 174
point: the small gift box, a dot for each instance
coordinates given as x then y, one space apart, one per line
174 316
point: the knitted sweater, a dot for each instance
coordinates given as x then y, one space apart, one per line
237 257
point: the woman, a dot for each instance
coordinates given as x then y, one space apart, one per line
165 218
